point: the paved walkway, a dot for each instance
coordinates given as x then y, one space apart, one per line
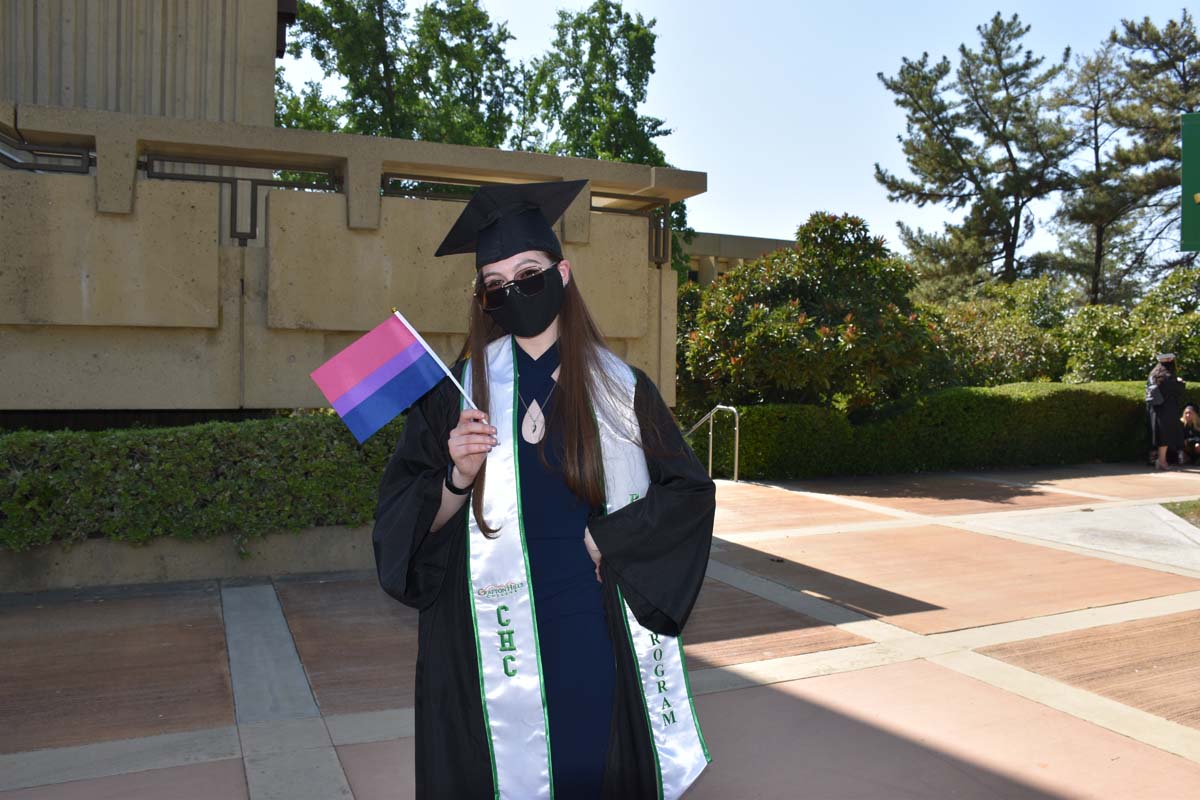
1015 634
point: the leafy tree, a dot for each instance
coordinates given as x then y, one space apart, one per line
1008 333
1096 339
587 88
581 98
983 142
1168 320
464 82
1162 72
442 74
443 77
826 322
1099 210
690 394
364 42
308 110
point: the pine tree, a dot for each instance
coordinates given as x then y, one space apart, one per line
1162 73
984 143
1100 208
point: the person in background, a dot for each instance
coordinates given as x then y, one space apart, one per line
1191 432
1166 430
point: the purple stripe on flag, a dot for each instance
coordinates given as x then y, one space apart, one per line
376 380
394 397
366 354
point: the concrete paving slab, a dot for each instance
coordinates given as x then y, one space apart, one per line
371 726
1138 725
64 764
110 665
1004 632
358 645
1147 532
380 771
282 735
745 507
730 626
313 774
216 779
844 618
1151 664
938 493
1135 485
915 731
268 681
811 665
933 578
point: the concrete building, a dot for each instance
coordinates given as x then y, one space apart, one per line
713 254
150 260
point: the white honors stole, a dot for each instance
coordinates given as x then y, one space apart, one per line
506 643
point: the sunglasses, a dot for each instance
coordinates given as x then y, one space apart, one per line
494 295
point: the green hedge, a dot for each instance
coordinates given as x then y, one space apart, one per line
964 428
287 473
241 478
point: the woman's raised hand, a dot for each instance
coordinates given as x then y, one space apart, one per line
469 443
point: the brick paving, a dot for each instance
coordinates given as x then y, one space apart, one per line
820 657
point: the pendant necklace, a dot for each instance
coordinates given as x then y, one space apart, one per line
534 428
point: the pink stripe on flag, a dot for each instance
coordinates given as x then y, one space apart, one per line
373 382
355 363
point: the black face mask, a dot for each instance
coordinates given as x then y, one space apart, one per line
528 316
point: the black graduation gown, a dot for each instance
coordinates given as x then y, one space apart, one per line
655 549
1165 427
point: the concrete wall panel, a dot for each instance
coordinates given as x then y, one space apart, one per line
323 276
613 274
61 263
86 367
654 352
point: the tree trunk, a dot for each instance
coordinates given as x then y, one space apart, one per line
388 98
1008 272
1097 264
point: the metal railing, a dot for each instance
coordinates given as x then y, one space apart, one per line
736 435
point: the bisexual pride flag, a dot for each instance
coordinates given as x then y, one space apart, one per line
379 376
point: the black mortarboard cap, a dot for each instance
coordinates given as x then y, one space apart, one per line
503 220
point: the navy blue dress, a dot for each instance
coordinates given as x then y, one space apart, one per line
577 656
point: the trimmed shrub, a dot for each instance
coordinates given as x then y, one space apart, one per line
1023 424
779 442
1007 334
251 478
827 322
245 479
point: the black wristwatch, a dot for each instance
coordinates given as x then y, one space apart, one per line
450 482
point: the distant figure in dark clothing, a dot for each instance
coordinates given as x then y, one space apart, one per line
1166 431
1191 432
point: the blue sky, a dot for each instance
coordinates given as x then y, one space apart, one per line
779 101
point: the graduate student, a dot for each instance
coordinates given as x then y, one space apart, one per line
554 540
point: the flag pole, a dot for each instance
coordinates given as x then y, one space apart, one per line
429 350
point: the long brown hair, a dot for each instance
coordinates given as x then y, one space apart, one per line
579 347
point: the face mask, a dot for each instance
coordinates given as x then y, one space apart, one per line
528 316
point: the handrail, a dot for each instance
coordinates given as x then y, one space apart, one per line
736 435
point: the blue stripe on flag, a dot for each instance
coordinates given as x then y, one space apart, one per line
393 397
